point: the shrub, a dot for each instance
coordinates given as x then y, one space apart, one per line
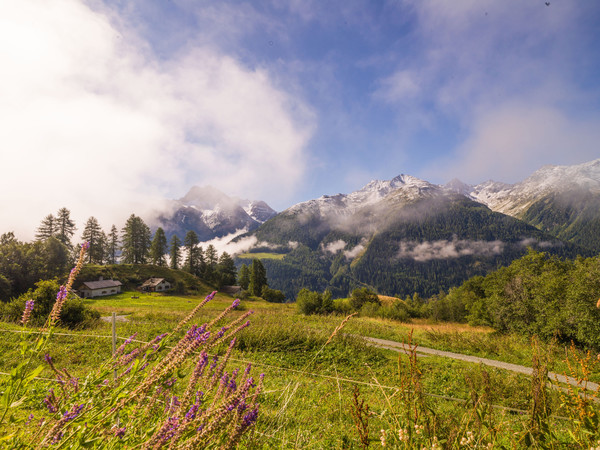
272 295
361 296
309 302
74 313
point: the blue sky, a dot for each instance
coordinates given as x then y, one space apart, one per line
111 106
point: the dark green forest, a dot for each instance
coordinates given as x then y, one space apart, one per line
417 249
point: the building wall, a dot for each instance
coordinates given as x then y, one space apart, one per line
91 293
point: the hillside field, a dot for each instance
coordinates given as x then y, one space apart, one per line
316 393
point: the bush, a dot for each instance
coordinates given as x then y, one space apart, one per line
309 302
73 314
272 295
361 296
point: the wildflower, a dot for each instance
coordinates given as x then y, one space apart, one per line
382 437
119 432
50 401
57 437
73 413
468 439
64 290
418 429
403 434
121 348
27 312
250 418
29 419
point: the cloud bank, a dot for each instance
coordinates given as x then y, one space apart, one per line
504 83
93 120
444 249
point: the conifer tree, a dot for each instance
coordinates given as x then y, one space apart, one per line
112 245
47 228
65 227
190 243
158 248
212 258
244 277
92 233
135 241
175 252
226 270
258 278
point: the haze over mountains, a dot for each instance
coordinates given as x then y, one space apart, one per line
212 214
403 235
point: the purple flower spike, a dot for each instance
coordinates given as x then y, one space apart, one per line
250 418
62 293
85 246
235 303
27 312
73 413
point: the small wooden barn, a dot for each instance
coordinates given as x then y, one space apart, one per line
155 285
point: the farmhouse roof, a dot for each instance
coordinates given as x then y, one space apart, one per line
152 282
100 284
231 290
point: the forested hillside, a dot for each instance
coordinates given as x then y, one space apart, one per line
425 247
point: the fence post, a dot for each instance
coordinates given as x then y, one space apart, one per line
114 350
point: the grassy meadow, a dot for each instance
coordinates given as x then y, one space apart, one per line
345 394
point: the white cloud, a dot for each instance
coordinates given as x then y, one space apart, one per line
397 87
334 247
355 251
506 76
93 121
509 142
443 249
226 244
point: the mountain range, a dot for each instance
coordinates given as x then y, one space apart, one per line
405 235
211 214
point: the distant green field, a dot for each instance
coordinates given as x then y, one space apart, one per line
261 256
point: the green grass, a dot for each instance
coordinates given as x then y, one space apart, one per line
261 256
308 394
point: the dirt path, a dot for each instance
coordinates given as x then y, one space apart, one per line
424 351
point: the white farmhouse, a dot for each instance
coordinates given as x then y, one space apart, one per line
155 285
90 289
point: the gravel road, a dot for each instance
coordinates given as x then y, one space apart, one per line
424 351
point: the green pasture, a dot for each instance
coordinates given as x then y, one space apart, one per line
309 393
261 256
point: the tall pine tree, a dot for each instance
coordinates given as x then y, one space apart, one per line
65 227
112 245
175 252
226 270
158 248
47 228
135 241
190 242
258 278
92 233
244 277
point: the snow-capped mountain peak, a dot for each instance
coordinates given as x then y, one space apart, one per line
515 199
410 188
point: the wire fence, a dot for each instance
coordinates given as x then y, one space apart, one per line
336 378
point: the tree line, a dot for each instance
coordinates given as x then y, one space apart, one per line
52 253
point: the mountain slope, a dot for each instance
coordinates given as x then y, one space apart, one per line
211 213
561 200
399 236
